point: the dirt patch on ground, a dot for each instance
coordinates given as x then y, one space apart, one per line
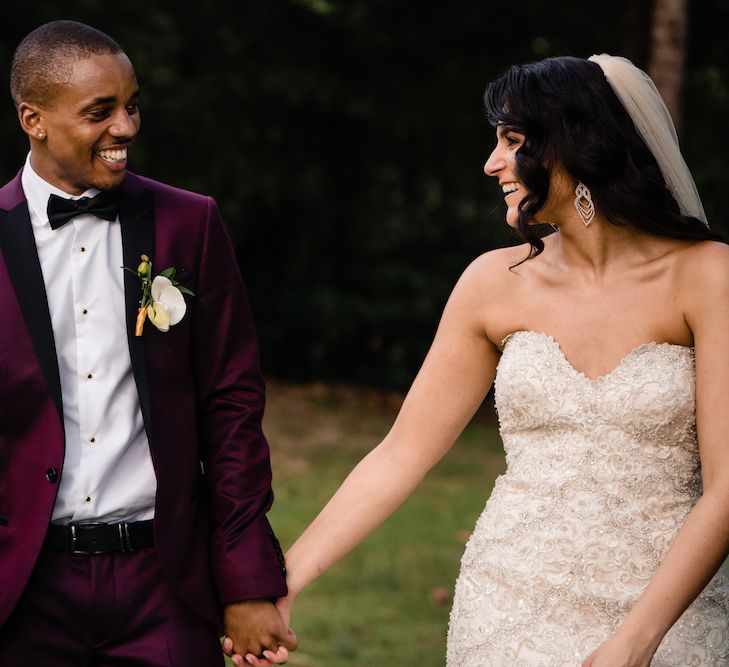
302 419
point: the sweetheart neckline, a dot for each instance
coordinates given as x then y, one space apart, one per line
579 373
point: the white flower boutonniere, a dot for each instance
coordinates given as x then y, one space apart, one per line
162 297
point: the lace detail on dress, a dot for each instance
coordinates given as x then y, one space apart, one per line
600 476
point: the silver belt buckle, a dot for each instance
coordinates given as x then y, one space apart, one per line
74 540
76 529
124 537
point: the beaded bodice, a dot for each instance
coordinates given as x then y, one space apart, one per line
600 476
634 428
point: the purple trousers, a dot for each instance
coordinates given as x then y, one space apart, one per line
105 611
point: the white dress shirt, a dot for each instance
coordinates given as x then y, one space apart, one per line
107 469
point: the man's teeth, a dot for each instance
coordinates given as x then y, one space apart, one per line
113 155
509 187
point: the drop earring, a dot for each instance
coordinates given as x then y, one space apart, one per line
583 204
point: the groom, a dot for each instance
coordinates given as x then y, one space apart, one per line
134 475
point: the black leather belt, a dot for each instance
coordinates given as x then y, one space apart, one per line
89 539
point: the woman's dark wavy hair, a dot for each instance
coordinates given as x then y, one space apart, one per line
571 117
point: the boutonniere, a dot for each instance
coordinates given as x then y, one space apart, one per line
162 297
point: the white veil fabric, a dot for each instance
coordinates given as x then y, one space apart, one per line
645 106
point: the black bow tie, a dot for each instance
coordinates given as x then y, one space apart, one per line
104 205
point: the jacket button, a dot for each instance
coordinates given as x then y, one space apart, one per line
51 475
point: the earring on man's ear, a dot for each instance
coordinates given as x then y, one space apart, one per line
583 203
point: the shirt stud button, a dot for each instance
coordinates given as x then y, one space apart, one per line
51 474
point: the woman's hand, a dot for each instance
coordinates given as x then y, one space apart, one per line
284 605
620 651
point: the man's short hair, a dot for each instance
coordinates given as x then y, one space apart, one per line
45 58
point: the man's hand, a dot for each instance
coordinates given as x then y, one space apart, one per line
255 629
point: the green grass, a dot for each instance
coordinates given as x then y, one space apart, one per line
388 601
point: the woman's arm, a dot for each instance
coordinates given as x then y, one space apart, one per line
448 389
702 543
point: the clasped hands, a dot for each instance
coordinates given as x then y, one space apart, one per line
257 632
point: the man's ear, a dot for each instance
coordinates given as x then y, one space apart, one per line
31 121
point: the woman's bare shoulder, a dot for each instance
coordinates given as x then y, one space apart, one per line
497 265
482 287
703 260
702 278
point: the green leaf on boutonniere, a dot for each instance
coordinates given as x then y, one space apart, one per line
162 299
170 274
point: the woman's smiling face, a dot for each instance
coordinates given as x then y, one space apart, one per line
501 164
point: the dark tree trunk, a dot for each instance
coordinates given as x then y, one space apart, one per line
637 22
668 53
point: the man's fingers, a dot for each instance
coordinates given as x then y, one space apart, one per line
227 646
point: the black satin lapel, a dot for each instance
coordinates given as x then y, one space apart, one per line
21 257
136 215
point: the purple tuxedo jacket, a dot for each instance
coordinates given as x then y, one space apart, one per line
201 394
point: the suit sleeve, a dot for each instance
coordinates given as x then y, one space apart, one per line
246 558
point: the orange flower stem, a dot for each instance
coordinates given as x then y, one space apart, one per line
141 316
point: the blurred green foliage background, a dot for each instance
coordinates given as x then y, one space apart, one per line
344 141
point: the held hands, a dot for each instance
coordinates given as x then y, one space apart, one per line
255 628
283 606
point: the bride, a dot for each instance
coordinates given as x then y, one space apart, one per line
602 543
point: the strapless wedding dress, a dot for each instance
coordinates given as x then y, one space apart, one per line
600 476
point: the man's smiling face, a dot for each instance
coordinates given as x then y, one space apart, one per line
89 126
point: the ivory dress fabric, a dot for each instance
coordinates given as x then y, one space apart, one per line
600 476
